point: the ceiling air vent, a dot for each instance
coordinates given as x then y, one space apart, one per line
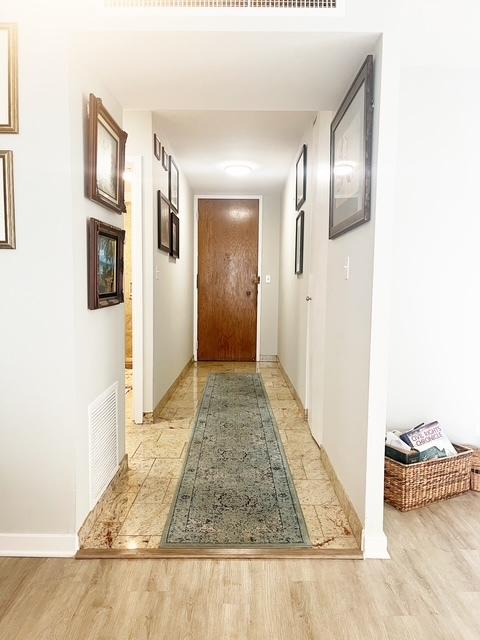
222 4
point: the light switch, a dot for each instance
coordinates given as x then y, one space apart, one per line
346 268
157 273
268 279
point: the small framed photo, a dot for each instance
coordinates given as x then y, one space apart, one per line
164 159
299 238
7 205
8 78
163 222
157 147
173 189
301 178
105 264
106 158
351 136
174 235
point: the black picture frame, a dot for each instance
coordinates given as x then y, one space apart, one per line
301 178
299 242
99 268
164 159
157 147
174 235
350 195
163 223
173 186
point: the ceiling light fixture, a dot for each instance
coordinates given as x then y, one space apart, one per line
238 170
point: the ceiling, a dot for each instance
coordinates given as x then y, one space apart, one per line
204 141
229 97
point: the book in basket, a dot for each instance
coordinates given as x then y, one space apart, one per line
430 441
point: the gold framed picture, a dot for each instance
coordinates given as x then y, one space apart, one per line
8 78
106 158
7 206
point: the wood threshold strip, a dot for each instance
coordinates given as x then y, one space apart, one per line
220 554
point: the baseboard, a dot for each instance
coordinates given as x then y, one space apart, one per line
89 521
293 391
375 546
40 545
266 358
171 390
345 502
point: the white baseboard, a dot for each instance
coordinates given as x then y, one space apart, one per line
374 546
40 545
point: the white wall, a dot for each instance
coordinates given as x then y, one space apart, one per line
293 308
270 265
168 283
99 334
37 471
435 315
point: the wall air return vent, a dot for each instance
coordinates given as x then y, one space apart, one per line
222 4
103 441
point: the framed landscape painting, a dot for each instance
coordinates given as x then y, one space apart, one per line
7 205
301 178
175 236
8 78
173 188
351 155
106 158
163 222
299 240
105 264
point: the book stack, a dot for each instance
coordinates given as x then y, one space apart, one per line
423 442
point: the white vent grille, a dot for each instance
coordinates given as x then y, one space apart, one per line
103 438
223 4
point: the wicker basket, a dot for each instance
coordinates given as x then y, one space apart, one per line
409 486
475 472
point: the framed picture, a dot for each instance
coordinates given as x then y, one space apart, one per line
164 159
106 158
105 264
173 184
299 235
301 178
174 235
163 222
351 155
7 205
8 78
157 147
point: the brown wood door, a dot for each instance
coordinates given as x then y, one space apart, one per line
227 273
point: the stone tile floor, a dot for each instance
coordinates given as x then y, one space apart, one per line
133 513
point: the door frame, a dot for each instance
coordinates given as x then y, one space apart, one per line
136 166
196 198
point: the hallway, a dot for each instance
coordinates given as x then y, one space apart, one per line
132 513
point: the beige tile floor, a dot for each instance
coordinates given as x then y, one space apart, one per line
133 513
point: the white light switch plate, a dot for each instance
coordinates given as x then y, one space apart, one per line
268 279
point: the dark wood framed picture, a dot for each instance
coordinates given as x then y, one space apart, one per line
299 240
164 159
7 204
106 158
301 178
351 134
174 235
173 188
163 222
157 147
105 264
8 78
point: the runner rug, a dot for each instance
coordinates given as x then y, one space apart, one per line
236 489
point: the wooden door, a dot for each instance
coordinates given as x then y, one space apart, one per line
227 279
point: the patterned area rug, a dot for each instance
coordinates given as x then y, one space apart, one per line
236 489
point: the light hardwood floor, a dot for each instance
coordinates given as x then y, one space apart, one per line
430 590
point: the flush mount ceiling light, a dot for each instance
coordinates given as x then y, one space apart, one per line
344 168
238 170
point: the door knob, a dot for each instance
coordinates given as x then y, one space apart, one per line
308 298
249 293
